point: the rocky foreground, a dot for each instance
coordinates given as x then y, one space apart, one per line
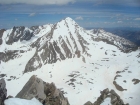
48 94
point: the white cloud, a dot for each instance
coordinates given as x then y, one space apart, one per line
106 22
38 2
32 14
119 22
62 2
79 18
137 19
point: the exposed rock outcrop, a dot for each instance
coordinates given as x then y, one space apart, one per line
10 54
3 91
19 33
46 93
88 103
1 34
115 98
33 88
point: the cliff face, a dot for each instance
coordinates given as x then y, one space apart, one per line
3 91
46 93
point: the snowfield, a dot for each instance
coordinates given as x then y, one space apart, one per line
18 101
86 80
80 77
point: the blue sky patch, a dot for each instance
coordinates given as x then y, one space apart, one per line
87 13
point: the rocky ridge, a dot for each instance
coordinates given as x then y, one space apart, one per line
48 94
115 98
55 42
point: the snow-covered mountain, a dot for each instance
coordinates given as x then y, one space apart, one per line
81 62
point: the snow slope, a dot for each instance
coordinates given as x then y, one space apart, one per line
17 101
78 61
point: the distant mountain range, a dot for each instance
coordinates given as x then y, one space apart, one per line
132 34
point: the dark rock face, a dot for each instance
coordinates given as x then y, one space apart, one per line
88 103
10 54
2 75
19 33
3 91
104 95
30 66
54 96
46 93
1 34
33 88
136 81
118 87
115 98
34 28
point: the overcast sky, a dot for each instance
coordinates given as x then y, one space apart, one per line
87 13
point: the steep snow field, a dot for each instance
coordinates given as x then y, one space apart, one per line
81 80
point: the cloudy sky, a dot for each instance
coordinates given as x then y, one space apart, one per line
87 13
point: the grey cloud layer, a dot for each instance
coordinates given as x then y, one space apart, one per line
37 2
63 2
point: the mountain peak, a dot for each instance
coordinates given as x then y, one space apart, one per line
66 23
68 18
